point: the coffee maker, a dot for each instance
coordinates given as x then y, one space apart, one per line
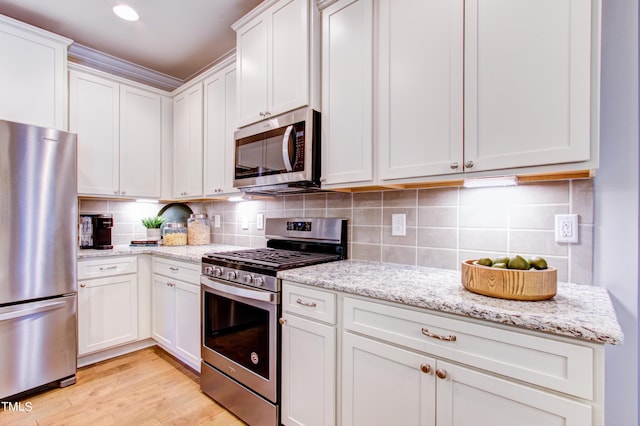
95 231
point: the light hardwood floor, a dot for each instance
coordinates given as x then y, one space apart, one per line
147 387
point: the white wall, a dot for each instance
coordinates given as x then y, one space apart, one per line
616 202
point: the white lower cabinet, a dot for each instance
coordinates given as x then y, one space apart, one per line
408 366
308 357
175 322
107 303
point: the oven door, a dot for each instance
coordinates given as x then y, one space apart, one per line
240 334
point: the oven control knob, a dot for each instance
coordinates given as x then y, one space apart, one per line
248 279
259 281
208 270
232 275
217 271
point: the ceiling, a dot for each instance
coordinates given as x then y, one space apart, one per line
174 38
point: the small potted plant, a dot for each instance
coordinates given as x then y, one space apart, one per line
153 225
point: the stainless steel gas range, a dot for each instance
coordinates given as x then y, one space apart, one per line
241 308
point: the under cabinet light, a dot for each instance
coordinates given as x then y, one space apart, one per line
146 200
484 182
125 12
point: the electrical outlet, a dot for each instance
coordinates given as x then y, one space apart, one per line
399 225
566 228
216 221
245 222
260 221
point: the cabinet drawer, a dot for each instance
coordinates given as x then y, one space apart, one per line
551 363
310 303
107 267
185 271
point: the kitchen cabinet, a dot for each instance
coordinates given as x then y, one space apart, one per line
419 86
119 129
277 48
347 93
432 370
107 303
308 356
33 76
187 142
219 127
176 309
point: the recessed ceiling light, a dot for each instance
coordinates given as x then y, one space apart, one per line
126 12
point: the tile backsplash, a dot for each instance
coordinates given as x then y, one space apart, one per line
444 226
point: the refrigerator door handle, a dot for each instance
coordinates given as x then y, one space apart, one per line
21 311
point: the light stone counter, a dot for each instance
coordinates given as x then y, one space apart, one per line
188 253
580 311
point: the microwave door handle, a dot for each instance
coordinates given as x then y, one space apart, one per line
285 149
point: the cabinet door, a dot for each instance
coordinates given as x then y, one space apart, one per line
33 75
347 92
187 309
140 142
420 83
468 397
163 308
220 124
187 143
528 80
289 57
253 70
94 116
385 385
107 312
308 372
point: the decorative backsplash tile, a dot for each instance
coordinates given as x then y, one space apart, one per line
445 226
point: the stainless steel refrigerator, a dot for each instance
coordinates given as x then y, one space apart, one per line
38 239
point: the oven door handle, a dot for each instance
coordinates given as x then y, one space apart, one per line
286 156
262 296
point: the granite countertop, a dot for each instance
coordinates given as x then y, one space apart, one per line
580 311
188 253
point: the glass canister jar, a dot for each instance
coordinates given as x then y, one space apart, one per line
174 234
199 229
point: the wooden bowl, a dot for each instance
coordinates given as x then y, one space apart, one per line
510 284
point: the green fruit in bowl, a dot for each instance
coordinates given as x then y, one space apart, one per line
485 261
518 262
538 263
503 259
500 265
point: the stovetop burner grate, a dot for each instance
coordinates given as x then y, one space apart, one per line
272 258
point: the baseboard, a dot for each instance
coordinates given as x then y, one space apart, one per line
89 359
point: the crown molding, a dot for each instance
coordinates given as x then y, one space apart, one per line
87 56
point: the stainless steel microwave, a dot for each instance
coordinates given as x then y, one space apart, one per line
279 155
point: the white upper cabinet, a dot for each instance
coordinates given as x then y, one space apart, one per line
419 85
187 142
219 126
347 93
33 75
119 131
276 46
529 85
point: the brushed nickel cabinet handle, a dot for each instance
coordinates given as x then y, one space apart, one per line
469 164
83 285
174 269
442 374
450 338
308 304
453 166
425 368
106 268
282 321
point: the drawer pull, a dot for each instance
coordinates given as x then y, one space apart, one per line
174 269
106 268
427 333
442 374
303 303
425 368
